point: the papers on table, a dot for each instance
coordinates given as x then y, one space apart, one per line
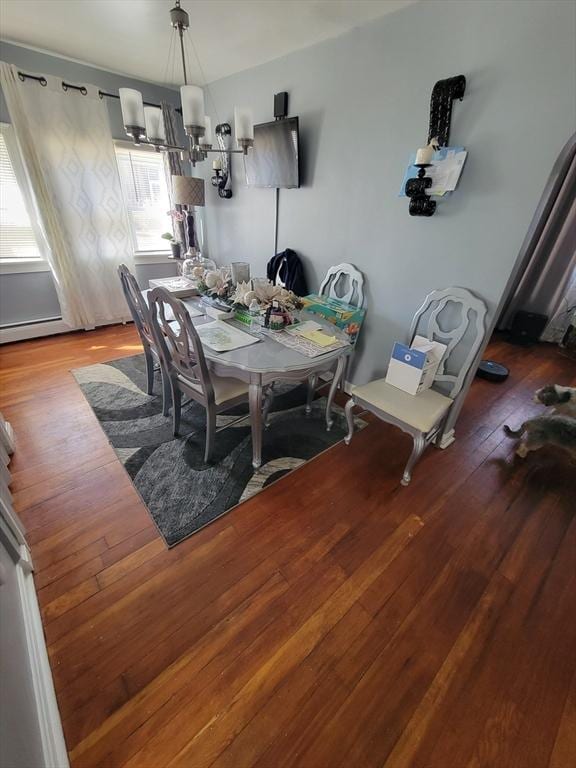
319 337
310 339
314 332
222 337
307 325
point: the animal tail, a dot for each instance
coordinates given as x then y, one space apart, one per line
514 432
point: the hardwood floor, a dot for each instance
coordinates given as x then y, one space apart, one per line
337 619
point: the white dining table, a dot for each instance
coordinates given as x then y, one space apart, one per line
267 361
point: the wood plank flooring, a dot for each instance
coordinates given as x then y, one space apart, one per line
337 619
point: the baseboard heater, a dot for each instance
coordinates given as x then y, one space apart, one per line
5 326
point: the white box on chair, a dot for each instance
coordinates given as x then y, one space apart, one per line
413 369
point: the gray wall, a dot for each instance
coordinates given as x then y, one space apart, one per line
31 296
363 103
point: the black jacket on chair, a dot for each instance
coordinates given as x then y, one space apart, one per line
286 269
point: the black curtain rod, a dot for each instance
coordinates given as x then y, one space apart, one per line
68 86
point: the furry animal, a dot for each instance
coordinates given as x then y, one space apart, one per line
545 430
562 399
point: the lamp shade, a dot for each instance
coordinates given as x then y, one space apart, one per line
187 190
243 123
207 138
132 107
154 124
192 97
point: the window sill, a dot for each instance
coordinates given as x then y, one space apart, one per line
18 266
153 257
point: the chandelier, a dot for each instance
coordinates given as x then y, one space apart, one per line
145 124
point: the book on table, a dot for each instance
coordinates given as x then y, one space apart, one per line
180 287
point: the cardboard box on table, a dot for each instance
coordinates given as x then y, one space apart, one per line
413 368
345 316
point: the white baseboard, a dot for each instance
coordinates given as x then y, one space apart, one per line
53 744
49 328
33 331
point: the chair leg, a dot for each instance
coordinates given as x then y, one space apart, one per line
417 451
176 407
268 401
149 370
349 420
312 384
210 432
166 394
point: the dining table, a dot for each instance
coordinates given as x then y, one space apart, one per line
268 361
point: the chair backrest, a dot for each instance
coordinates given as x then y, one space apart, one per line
462 330
136 304
349 279
177 342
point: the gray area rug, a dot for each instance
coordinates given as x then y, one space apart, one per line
182 493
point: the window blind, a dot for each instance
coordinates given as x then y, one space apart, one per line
17 241
146 197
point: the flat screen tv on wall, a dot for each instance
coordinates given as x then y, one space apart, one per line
274 159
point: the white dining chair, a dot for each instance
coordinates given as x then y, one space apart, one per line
345 283
140 312
423 415
183 360
349 280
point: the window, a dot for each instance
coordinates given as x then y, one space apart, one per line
17 240
146 197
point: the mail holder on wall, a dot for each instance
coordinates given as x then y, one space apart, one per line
443 94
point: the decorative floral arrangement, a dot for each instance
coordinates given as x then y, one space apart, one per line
176 215
214 282
218 283
266 294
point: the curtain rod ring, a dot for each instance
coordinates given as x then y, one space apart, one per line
66 86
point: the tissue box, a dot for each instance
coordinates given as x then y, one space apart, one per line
345 316
413 368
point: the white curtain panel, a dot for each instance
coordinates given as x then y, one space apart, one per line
67 149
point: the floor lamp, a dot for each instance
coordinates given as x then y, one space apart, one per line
188 192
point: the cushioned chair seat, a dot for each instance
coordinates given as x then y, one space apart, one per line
225 388
421 411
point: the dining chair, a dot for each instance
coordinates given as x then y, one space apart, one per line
347 277
424 415
141 315
183 360
351 281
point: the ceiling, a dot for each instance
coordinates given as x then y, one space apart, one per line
133 37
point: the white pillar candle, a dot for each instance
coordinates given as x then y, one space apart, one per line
154 124
424 155
207 138
217 164
132 107
243 123
192 97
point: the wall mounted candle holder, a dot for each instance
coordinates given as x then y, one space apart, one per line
443 94
222 178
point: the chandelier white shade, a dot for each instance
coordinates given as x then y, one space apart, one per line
132 107
192 97
146 125
243 123
154 124
207 138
